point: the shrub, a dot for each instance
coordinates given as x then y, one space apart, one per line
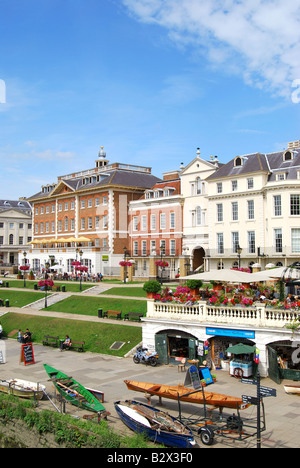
194 284
152 287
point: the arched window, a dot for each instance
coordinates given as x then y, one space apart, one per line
238 161
198 186
288 156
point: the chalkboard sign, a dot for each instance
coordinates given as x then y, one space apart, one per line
27 355
194 377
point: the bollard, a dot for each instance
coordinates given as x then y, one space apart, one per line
100 313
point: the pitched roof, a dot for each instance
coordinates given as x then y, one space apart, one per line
251 163
112 178
19 205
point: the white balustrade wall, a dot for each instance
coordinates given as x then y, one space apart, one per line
257 316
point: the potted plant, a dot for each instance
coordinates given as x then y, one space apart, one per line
214 377
31 275
203 383
151 288
194 286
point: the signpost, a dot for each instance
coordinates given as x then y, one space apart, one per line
261 392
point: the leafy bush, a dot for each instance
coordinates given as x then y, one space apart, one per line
152 287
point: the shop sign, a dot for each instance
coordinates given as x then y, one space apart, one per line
105 258
232 333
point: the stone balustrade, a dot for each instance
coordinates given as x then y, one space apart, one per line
258 315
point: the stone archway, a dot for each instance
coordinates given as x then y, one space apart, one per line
198 258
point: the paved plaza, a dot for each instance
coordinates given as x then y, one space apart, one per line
107 373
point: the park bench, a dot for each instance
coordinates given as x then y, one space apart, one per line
133 316
78 345
50 341
113 314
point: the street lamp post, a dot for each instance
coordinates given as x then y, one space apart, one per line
47 265
80 255
239 250
126 254
24 255
162 252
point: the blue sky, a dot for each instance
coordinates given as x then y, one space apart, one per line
150 80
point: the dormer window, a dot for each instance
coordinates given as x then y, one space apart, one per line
288 156
238 161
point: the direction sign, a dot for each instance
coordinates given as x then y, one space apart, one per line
250 400
268 392
249 381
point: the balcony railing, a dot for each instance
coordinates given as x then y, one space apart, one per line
258 316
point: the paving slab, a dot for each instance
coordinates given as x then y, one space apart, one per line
107 373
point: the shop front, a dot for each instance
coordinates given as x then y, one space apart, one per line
284 360
174 345
219 356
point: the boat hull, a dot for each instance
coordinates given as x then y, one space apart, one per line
73 391
160 436
292 389
172 393
22 388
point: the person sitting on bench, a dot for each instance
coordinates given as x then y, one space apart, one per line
27 336
65 344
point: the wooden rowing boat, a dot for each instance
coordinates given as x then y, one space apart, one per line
171 392
22 388
292 389
157 425
73 391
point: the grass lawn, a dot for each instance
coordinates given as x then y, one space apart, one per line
20 298
90 305
73 286
98 337
130 292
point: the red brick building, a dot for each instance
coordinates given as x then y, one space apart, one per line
87 212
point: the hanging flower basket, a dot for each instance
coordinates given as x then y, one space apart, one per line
46 284
161 263
124 263
81 269
24 267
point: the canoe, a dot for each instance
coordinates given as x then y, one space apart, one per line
292 389
168 391
156 425
22 388
73 391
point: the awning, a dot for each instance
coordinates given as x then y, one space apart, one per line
227 276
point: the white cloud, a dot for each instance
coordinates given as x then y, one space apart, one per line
51 155
258 38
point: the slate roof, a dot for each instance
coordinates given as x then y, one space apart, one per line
18 205
271 163
111 178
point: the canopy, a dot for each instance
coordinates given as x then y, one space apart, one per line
227 276
241 348
82 239
289 273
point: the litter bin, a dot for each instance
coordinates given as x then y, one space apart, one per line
6 303
35 286
63 288
7 284
100 313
